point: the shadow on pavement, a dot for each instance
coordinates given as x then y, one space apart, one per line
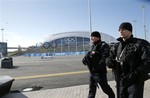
14 94
13 67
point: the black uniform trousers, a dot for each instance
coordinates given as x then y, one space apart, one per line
101 78
132 90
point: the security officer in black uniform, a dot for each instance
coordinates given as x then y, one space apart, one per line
130 59
95 60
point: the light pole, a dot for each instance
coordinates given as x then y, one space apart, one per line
135 27
144 22
90 19
2 34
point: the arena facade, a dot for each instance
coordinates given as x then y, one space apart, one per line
75 41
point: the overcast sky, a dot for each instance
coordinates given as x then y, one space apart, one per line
28 22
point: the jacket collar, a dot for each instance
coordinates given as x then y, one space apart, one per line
97 42
126 41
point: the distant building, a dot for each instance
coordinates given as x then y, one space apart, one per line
74 41
3 48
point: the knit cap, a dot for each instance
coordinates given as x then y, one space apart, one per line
96 34
126 25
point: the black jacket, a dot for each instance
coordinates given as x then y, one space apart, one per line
134 60
96 56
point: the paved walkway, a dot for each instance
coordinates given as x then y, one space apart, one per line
80 91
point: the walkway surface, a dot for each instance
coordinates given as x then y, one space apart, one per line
80 91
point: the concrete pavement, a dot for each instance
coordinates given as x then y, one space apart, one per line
80 91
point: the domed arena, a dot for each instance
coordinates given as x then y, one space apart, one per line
75 41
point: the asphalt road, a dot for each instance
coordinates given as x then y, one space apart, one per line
48 73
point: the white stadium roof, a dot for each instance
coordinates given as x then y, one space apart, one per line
105 37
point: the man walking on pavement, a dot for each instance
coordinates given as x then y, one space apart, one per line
130 60
95 61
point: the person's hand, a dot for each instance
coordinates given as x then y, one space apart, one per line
110 63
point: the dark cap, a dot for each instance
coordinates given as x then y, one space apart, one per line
96 34
126 25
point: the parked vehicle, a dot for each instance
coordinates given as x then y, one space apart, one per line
47 55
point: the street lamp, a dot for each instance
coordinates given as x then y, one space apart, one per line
144 22
2 34
90 18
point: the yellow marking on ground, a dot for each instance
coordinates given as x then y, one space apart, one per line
52 75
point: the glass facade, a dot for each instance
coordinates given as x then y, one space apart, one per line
69 44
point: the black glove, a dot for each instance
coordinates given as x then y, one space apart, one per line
111 63
84 61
